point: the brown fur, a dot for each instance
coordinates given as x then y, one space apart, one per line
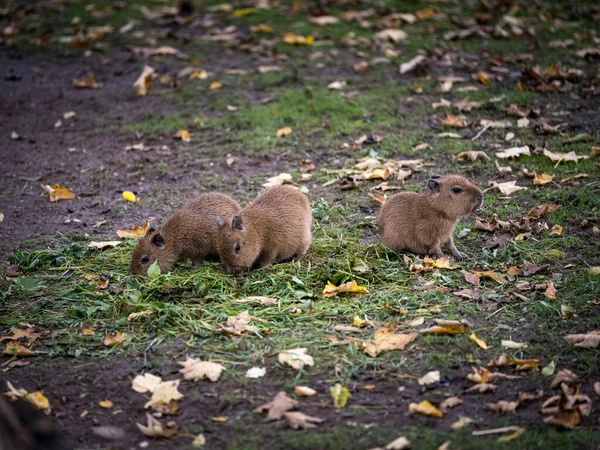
423 223
276 226
190 232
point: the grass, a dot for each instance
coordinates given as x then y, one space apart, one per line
184 309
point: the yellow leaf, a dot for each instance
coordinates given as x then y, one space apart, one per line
215 85
483 78
440 263
383 174
112 339
58 192
134 231
425 408
358 322
38 400
340 395
453 121
331 290
479 342
144 81
284 131
129 196
220 419
198 74
184 135
447 327
14 348
243 12
291 38
542 178
556 230
262 28
88 332
513 436
107 404
386 338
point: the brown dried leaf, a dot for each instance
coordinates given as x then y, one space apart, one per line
298 420
473 278
386 338
563 376
154 428
277 407
453 121
238 324
588 340
448 327
503 406
450 402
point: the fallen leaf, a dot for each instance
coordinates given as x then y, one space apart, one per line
146 383
184 135
104 244
392 35
400 443
587 340
107 404
14 348
453 121
238 324
479 342
491 225
549 369
337 85
256 372
340 395
513 152
450 402
483 78
324 20
447 327
57 192
129 196
425 408
386 338
144 81
510 187
88 83
146 52
298 420
471 155
351 287
291 38
196 369
304 391
265 301
163 394
541 179
461 422
267 69
503 406
564 376
297 358
215 85
134 231
277 407
542 210
482 388
564 157
429 378
530 268
473 278
550 291
556 230
154 428
418 61
512 344
113 339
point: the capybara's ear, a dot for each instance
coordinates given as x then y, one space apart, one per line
433 185
219 222
158 240
237 223
150 231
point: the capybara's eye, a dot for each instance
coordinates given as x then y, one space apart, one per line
237 248
145 260
457 190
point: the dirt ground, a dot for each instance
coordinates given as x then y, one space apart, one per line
87 154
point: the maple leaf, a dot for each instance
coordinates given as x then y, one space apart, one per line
144 81
447 327
491 225
386 338
367 163
164 393
154 428
425 408
296 357
146 383
196 369
134 231
587 340
57 192
297 420
277 407
566 157
28 334
352 287
563 376
238 324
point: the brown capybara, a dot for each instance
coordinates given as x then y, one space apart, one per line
275 227
423 223
190 232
